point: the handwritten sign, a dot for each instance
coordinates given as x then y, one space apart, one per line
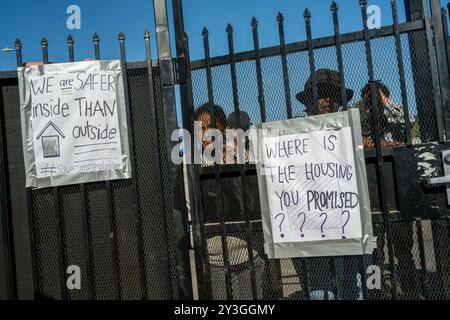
74 122
312 186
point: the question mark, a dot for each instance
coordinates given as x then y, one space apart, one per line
279 226
345 223
303 223
323 223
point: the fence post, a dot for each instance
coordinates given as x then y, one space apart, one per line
26 269
442 61
8 279
421 71
177 195
192 170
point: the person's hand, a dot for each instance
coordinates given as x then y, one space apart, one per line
368 143
32 63
390 144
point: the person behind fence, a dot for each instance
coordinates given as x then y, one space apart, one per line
204 115
392 123
391 117
328 92
347 273
237 125
232 202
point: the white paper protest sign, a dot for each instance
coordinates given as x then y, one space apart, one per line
74 116
311 186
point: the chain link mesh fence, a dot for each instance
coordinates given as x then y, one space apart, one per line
103 230
419 269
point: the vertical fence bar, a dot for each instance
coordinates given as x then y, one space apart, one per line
284 65
362 272
191 167
137 211
423 264
156 153
44 46
18 45
29 199
437 94
446 36
259 79
221 214
245 213
443 72
59 215
447 224
109 196
401 69
203 269
8 291
312 65
379 151
175 176
338 42
305 278
86 222
262 102
446 220
70 43
87 232
96 41
448 8
220 208
334 285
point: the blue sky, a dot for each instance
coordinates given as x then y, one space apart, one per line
30 20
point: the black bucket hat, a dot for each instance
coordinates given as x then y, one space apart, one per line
328 86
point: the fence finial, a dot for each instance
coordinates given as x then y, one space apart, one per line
443 12
306 14
121 36
44 42
229 29
205 32
362 2
70 40
334 7
280 17
146 34
96 38
254 23
18 44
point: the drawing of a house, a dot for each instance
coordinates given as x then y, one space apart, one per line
50 142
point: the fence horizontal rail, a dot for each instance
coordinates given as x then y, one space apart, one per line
256 225
318 43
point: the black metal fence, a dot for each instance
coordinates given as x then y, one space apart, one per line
129 237
123 234
410 59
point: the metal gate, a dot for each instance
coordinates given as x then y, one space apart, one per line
411 218
128 237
